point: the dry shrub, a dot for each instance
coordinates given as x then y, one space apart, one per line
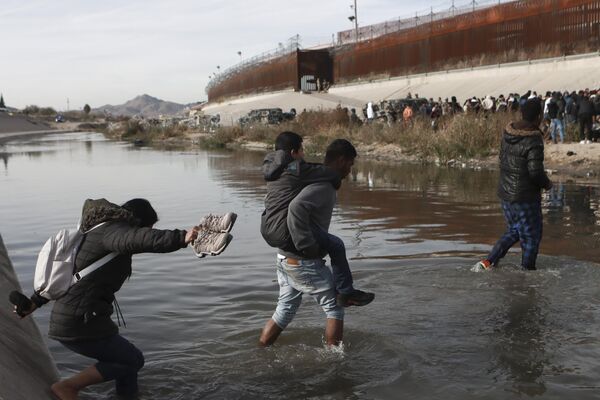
458 137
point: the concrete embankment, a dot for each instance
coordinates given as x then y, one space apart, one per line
26 367
13 126
565 73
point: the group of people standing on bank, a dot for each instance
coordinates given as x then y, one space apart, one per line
298 208
561 109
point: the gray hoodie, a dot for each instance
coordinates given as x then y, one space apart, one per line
285 178
312 206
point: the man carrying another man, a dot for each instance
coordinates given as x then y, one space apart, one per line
297 274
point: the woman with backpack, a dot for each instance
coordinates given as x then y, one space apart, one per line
81 318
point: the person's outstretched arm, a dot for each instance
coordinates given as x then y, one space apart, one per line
125 239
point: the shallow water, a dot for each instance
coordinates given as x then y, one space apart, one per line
436 330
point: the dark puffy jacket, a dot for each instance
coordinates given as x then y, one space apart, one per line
553 109
286 178
84 312
522 174
585 106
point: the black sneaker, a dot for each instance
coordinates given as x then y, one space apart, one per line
356 298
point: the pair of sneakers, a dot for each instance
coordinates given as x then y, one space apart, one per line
214 237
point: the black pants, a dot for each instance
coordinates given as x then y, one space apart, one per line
585 126
118 359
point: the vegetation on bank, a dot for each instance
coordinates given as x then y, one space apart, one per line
456 137
143 130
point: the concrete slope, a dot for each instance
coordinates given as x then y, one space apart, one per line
569 73
10 122
26 367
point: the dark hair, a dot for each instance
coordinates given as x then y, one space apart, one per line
531 110
142 211
288 141
340 148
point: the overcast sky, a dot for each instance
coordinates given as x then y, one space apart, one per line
107 52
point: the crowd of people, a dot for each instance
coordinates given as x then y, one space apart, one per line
561 109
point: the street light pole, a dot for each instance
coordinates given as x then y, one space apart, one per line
356 20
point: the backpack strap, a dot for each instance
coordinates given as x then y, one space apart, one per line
92 267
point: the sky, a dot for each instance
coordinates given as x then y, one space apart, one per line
108 52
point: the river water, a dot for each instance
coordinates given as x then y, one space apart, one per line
436 330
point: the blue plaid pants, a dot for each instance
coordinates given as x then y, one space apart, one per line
524 224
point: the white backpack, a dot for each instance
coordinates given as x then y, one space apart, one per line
55 267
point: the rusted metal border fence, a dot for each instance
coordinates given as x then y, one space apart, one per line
369 32
524 29
508 32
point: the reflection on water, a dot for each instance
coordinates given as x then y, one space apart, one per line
435 330
520 346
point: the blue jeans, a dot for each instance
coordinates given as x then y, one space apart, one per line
554 125
118 360
524 224
342 276
311 277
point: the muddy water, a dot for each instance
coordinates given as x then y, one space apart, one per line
435 331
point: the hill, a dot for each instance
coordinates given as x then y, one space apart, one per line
145 105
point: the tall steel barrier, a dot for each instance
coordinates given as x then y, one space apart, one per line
275 74
514 31
504 33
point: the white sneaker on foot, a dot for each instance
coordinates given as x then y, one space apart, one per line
483 265
218 223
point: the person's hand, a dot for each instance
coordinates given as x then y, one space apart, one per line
191 235
25 313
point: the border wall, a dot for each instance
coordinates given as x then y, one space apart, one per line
510 32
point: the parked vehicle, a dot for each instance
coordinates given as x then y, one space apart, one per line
267 116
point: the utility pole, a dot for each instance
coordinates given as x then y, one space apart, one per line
453 8
67 104
356 20
474 4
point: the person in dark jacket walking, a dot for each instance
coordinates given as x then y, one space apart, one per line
585 117
522 178
81 319
556 111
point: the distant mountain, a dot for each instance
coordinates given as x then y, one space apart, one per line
145 105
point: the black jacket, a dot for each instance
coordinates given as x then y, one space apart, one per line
522 174
84 312
286 178
585 106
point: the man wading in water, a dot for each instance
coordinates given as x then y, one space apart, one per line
296 273
522 178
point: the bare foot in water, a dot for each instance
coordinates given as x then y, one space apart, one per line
63 391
